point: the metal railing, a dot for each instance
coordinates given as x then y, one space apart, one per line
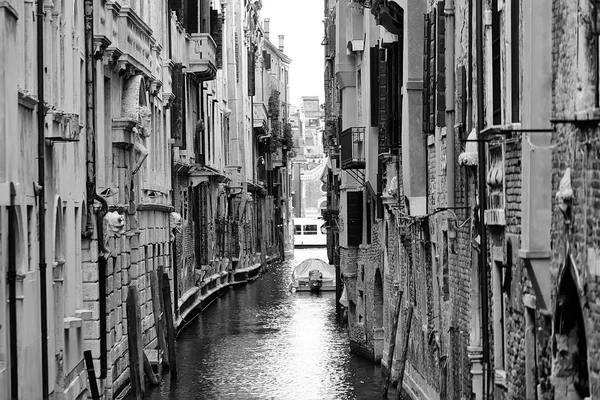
352 148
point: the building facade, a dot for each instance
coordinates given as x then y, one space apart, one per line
461 190
127 137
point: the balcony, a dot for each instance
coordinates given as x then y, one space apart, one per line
260 114
352 148
202 56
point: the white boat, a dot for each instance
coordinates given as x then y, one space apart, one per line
313 275
307 232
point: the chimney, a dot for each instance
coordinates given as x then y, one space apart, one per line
266 23
281 43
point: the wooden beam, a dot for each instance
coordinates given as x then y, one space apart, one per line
168 313
157 308
391 348
404 351
134 341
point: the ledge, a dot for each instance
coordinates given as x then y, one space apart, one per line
72 322
495 217
500 378
85 315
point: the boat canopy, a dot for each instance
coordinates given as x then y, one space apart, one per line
302 269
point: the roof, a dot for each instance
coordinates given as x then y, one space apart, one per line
274 49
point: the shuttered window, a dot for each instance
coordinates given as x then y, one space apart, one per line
496 66
374 68
383 104
440 66
354 216
461 94
216 31
434 70
251 72
394 120
428 71
515 67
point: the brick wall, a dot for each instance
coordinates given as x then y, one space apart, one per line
574 245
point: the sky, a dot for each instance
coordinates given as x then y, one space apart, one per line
301 22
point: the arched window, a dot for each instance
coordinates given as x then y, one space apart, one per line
569 344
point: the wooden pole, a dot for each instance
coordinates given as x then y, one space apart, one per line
391 348
404 351
157 307
166 288
134 340
159 275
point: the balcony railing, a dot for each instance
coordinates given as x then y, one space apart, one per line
352 148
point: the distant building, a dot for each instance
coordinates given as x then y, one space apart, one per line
308 165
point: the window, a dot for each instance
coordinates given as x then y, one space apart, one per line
434 70
515 61
354 218
496 66
499 321
310 229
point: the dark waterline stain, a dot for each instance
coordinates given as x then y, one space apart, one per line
262 342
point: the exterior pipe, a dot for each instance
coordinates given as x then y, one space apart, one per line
41 114
483 270
12 296
450 116
102 261
90 118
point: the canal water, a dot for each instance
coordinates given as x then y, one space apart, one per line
259 341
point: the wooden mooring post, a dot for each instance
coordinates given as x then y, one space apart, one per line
391 348
159 319
134 341
404 351
168 313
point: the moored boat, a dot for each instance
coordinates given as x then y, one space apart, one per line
313 275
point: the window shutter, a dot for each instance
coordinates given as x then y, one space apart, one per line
393 97
383 110
374 68
354 218
441 66
251 72
426 28
461 94
216 31
496 66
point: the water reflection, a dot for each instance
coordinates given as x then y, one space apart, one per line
262 342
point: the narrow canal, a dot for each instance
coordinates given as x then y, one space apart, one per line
260 341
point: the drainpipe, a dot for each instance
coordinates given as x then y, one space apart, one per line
41 197
174 241
483 270
450 143
102 261
12 296
90 114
